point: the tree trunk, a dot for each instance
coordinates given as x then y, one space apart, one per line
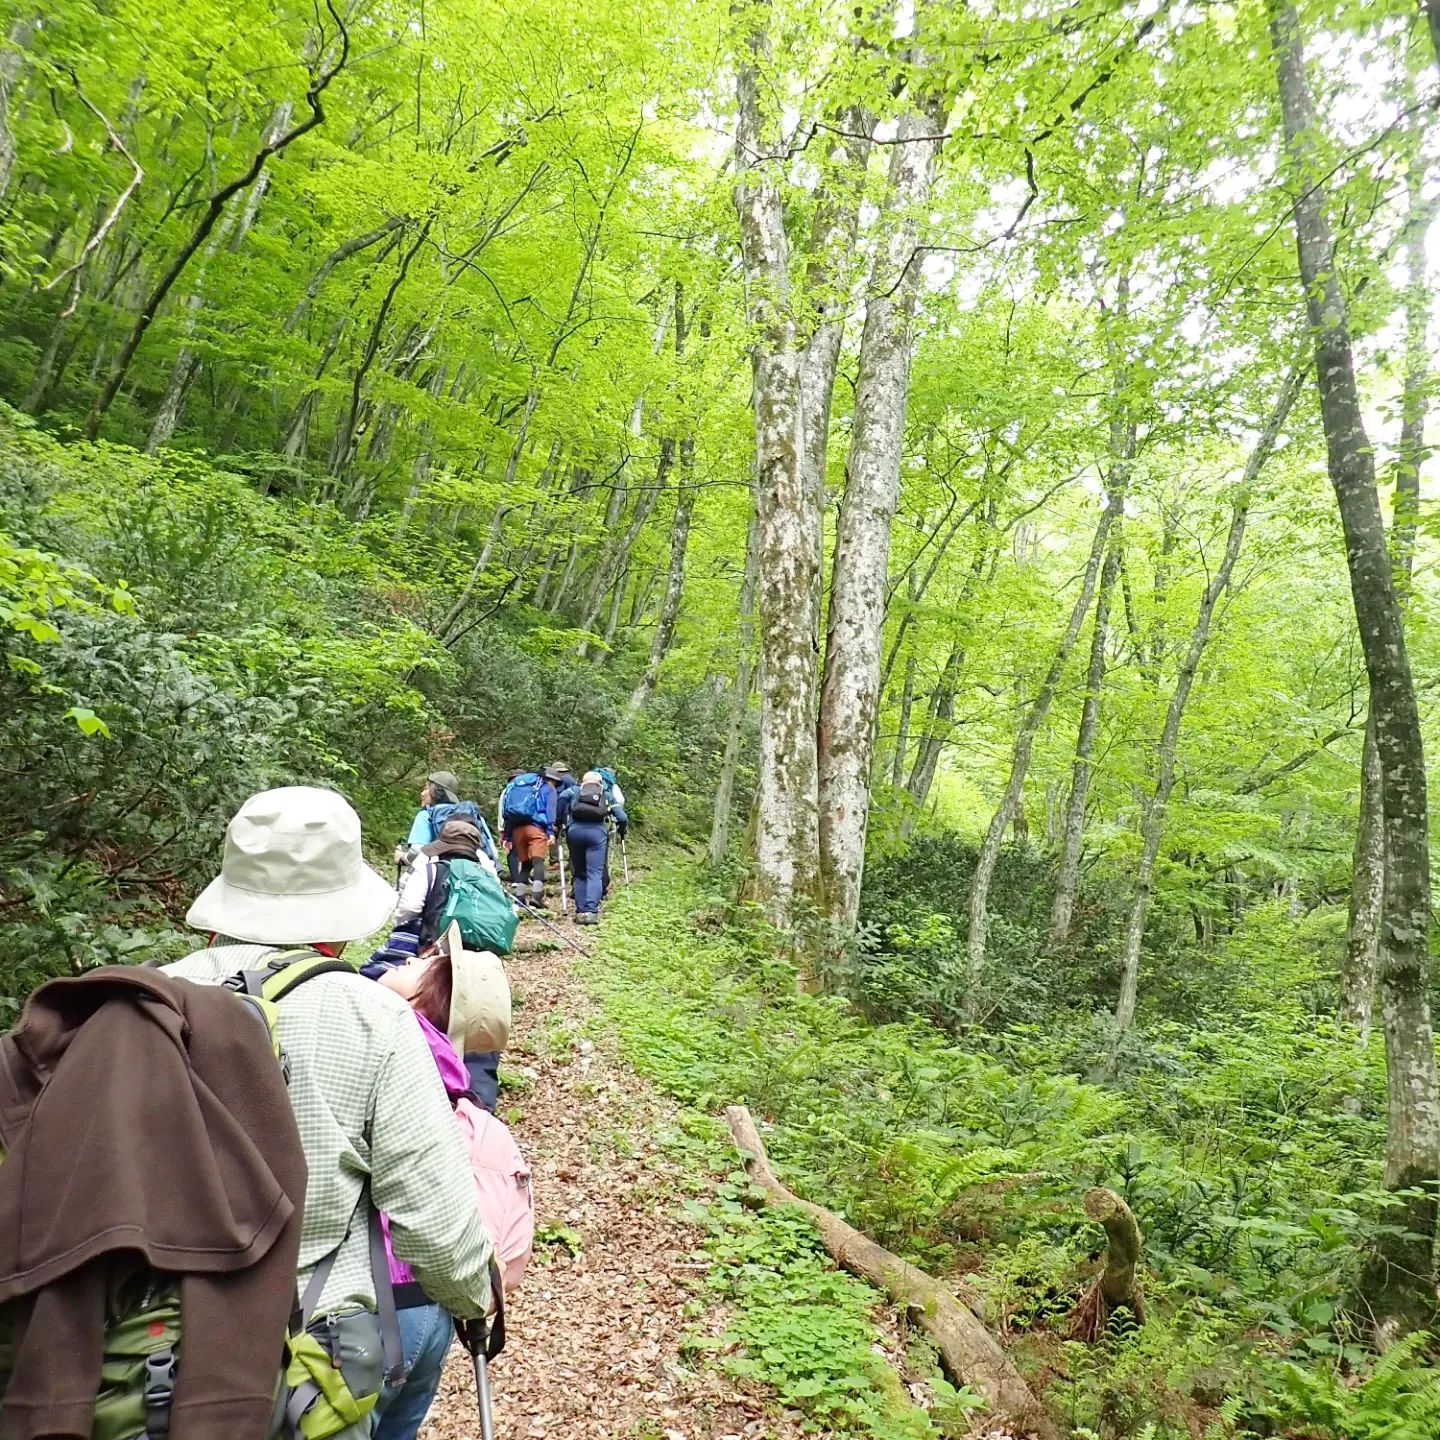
1067 873
902 729
850 689
786 840
968 1352
1367 897
739 700
1362 941
1116 1288
829 272
1020 764
12 63
674 589
1399 1283
1152 826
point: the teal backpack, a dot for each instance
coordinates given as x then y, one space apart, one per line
475 901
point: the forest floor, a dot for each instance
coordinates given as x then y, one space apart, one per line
597 1333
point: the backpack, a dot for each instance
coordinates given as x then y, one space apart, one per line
333 1367
591 805
502 1187
522 802
461 810
473 899
612 782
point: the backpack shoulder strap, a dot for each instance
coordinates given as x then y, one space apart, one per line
286 971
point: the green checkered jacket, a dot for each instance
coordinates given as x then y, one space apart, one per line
371 1109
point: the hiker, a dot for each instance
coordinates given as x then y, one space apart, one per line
616 796
146 1129
428 902
527 817
587 815
440 801
373 1117
446 994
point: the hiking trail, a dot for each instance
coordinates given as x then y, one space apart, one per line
595 1332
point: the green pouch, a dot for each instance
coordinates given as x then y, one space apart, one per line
333 1375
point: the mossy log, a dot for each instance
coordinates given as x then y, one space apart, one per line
1117 1286
969 1354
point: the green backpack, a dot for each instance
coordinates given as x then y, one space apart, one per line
476 902
334 1367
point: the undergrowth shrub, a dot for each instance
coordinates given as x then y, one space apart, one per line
1249 1148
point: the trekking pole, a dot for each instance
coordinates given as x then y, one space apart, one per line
485 1342
477 1337
625 859
535 915
560 851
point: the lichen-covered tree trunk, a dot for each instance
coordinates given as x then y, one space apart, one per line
1029 727
739 700
1367 897
1362 937
1399 1283
829 273
850 689
1152 825
786 840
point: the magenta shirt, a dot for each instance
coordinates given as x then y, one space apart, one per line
457 1082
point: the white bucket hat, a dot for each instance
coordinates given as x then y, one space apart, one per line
294 872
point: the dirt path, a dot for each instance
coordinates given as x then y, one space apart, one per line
595 1335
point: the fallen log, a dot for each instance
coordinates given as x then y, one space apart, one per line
1116 1287
969 1354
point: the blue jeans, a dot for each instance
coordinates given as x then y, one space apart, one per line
588 844
425 1335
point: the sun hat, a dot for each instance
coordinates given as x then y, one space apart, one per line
293 872
479 998
456 837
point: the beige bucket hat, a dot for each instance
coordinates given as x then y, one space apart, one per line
479 997
293 872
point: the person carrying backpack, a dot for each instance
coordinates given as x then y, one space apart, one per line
440 801
147 1270
527 813
441 989
453 880
586 816
373 1117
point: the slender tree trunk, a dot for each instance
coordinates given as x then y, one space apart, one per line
786 839
1399 1283
739 700
850 690
902 729
664 634
1152 826
1067 874
1020 764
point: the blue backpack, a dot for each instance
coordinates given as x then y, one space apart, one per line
522 800
463 810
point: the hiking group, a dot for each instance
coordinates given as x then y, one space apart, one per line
539 807
257 1192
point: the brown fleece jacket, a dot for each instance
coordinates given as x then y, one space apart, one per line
141 1113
